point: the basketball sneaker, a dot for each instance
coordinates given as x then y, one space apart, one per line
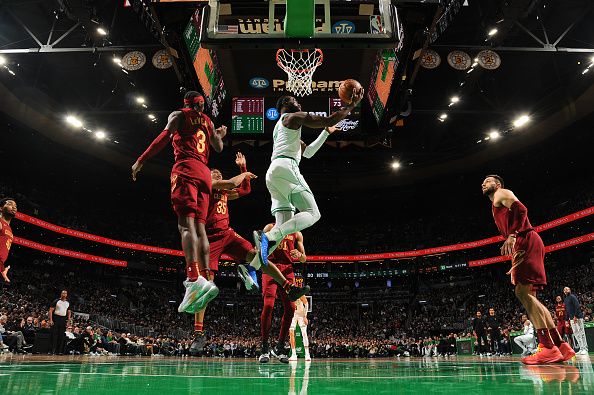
544 356
279 353
582 352
307 356
296 292
263 245
198 342
264 358
566 351
198 294
248 275
293 356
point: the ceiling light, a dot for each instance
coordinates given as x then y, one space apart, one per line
139 99
72 120
470 70
443 116
395 165
521 121
592 59
455 99
487 138
2 60
494 135
100 135
151 116
585 71
11 72
117 61
492 32
479 141
102 31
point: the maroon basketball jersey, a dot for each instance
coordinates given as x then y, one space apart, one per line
218 212
282 254
192 139
503 219
5 240
560 311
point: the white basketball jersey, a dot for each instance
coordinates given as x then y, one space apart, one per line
287 142
300 309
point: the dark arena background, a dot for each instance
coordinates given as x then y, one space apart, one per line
405 255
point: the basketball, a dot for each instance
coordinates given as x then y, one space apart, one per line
345 90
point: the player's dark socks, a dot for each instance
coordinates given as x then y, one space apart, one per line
555 336
544 338
297 292
265 347
287 286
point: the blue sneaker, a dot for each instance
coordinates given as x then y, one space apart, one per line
249 277
262 244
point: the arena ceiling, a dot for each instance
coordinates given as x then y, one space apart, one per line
544 46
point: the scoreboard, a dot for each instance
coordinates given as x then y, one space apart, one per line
247 115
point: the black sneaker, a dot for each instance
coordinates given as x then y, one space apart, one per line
297 292
198 342
280 355
264 358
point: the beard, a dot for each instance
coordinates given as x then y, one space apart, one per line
489 191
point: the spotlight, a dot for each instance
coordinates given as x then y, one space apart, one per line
585 71
139 99
592 59
494 135
455 99
100 135
492 32
395 165
117 60
151 116
521 121
102 31
443 116
72 120
2 60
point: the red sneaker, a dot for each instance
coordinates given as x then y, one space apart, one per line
566 351
544 356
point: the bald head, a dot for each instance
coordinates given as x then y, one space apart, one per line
566 290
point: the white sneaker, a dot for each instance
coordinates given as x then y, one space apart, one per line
198 294
293 357
307 356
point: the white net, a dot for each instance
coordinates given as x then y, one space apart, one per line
299 64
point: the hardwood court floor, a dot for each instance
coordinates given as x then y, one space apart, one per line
159 375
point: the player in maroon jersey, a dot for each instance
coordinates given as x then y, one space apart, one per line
563 326
8 209
527 272
289 249
191 133
224 240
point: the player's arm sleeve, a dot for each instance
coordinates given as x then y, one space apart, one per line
156 146
311 149
519 214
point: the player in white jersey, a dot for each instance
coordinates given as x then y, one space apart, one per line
526 341
299 317
287 187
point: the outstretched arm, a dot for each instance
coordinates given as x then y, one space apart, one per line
218 134
232 182
310 150
158 143
297 119
245 187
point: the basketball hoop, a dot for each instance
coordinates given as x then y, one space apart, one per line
299 64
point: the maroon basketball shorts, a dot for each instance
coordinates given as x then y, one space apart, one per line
269 286
230 243
529 255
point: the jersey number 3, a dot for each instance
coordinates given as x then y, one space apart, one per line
201 144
